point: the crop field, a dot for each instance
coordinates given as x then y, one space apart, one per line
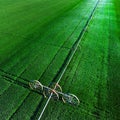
37 40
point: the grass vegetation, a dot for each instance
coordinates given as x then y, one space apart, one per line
35 39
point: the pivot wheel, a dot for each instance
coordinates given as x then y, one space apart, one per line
57 88
54 89
36 85
50 91
71 99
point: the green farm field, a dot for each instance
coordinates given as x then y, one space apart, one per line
37 38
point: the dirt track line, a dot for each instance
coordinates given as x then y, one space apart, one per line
11 80
21 84
13 75
70 55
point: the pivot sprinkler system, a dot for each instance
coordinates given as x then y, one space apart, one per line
56 91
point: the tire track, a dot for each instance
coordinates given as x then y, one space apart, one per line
70 56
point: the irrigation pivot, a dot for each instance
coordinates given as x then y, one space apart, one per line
57 93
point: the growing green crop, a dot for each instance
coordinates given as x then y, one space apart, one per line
36 37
